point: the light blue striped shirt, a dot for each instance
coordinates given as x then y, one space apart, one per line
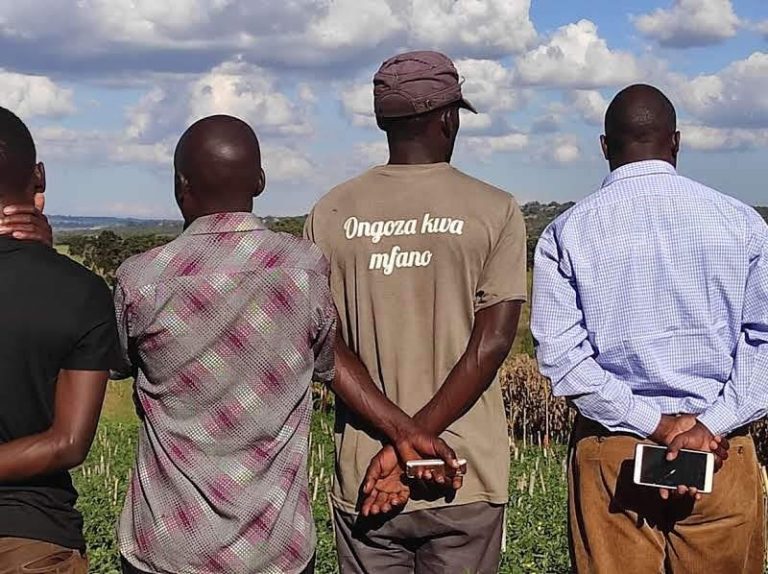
650 297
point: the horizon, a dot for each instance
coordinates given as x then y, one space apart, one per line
108 87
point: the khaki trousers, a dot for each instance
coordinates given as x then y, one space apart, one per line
450 540
617 526
24 556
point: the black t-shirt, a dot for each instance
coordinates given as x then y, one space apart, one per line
54 314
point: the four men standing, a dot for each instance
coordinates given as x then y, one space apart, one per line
649 313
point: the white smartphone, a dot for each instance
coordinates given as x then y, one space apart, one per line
690 468
434 464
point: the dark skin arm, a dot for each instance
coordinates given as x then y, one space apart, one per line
353 385
27 222
492 337
65 445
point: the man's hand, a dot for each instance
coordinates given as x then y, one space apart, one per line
698 438
384 488
417 445
672 426
27 222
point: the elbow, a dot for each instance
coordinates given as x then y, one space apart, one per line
70 452
496 347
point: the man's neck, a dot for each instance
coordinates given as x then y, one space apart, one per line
414 154
188 220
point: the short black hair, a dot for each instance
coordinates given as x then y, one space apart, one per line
639 114
17 153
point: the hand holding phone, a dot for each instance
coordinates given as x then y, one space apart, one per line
415 468
691 468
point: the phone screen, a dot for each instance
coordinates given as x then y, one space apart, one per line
688 469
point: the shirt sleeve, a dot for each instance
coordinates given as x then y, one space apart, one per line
123 367
504 276
566 355
309 227
96 345
323 343
745 396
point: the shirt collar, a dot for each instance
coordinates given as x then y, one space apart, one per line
224 222
639 168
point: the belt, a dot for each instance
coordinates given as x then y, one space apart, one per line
585 427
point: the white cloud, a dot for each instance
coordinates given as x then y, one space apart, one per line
690 23
247 92
476 26
559 149
590 104
30 96
489 85
576 57
761 28
123 35
485 146
707 138
282 163
737 96
357 101
354 23
371 153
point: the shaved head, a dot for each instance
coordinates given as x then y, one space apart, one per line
17 155
218 167
640 124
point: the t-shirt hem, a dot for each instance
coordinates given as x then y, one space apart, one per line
348 508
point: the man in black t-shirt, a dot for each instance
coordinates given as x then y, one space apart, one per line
57 343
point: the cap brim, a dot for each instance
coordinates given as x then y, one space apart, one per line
465 103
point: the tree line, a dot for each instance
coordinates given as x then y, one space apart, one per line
105 251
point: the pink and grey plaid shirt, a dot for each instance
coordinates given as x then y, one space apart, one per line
226 327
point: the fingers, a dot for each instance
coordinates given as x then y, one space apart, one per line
371 476
20 209
446 453
664 493
678 443
40 202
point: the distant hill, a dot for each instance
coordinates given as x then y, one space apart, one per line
537 217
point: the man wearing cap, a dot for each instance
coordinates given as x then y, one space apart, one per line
428 274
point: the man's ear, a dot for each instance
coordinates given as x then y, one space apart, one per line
449 122
262 183
604 147
180 188
38 178
676 145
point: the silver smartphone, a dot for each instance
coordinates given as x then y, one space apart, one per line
436 464
690 468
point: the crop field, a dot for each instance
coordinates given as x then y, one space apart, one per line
536 520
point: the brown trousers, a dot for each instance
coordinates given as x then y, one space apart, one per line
24 556
462 539
617 526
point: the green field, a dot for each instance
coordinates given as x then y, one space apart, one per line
536 520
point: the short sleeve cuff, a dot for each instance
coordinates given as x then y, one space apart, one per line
719 419
644 418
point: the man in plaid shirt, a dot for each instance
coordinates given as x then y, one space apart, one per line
225 328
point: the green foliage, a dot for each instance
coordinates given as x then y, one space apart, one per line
105 252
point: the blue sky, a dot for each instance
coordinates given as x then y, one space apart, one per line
108 86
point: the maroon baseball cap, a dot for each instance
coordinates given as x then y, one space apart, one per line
416 82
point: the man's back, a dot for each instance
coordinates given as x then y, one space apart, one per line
660 264
415 251
227 323
56 315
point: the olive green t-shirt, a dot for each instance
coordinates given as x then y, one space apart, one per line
415 252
